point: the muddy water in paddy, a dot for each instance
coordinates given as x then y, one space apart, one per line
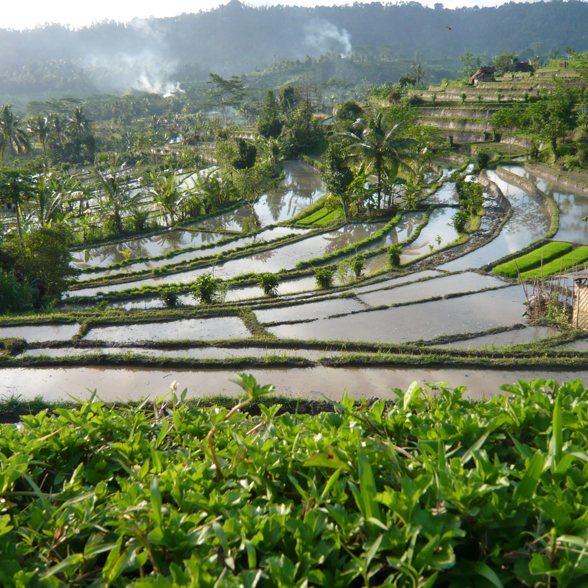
300 187
472 313
198 329
504 339
105 255
39 333
528 222
273 260
263 236
115 384
573 207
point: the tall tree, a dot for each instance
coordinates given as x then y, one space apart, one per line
16 186
114 197
13 136
381 139
337 175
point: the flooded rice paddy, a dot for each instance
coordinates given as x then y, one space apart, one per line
198 329
316 383
529 221
471 313
481 311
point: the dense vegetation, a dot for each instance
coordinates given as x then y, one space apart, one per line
431 490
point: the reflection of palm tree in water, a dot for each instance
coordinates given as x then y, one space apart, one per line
347 235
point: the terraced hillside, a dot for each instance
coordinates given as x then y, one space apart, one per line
463 112
438 316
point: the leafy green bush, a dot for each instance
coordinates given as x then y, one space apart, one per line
394 252
208 289
433 489
15 296
532 259
324 277
170 296
269 283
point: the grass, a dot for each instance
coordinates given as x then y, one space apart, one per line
321 217
533 259
576 259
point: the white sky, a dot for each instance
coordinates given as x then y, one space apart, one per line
21 14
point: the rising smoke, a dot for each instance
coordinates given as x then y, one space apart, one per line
144 67
322 36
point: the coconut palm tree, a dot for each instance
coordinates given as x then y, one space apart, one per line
12 136
166 194
39 127
384 144
114 196
16 186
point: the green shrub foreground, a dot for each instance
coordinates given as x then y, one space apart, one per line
433 490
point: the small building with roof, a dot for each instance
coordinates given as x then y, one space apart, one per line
580 301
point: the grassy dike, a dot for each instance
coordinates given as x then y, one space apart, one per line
430 490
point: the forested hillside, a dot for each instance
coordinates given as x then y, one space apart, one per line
236 39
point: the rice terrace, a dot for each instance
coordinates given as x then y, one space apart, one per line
255 335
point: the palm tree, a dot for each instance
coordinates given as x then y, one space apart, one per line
39 127
114 197
47 197
164 191
16 186
12 136
383 144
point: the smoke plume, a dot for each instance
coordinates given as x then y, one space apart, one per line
323 36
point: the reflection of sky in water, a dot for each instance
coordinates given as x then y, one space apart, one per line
573 207
438 232
285 257
529 221
427 320
266 235
300 187
198 329
153 246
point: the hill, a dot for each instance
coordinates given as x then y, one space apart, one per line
155 54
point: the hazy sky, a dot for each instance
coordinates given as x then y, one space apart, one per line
19 14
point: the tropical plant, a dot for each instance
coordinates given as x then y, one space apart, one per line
324 277
15 294
208 289
166 194
394 252
43 258
16 187
114 195
338 176
269 283
382 140
13 137
170 295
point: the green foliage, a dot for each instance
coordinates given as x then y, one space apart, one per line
43 257
170 295
533 259
324 277
576 259
15 296
269 283
394 252
460 220
208 289
482 159
432 489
